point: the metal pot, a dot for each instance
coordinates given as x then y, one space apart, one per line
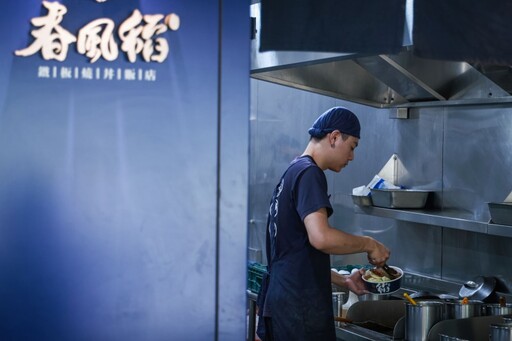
480 289
339 298
458 309
374 297
500 332
443 337
496 309
422 316
427 295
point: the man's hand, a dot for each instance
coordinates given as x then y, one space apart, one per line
353 282
377 252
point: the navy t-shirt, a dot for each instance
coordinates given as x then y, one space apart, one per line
298 297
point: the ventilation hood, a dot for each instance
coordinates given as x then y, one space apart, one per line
383 81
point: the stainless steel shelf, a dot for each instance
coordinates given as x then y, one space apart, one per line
499 230
444 218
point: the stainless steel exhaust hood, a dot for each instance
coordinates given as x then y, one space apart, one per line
401 80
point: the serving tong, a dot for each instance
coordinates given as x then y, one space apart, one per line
390 271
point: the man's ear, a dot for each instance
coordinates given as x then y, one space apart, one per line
335 136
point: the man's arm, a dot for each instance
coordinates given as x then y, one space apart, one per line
332 241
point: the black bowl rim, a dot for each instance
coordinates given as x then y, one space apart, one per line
393 281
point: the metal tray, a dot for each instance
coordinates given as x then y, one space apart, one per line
362 200
399 198
501 212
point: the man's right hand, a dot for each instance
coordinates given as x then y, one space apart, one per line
377 252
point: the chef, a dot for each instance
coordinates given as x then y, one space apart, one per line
295 302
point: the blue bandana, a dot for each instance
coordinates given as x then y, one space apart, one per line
337 118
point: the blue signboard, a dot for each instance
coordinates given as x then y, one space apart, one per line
109 170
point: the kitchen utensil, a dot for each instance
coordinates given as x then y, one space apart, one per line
362 200
421 317
385 287
391 272
459 309
480 288
406 295
443 337
502 301
495 309
399 198
500 332
338 299
501 212
374 297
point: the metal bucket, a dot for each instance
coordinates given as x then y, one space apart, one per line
421 317
496 309
500 332
339 298
458 309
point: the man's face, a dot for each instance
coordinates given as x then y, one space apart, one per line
343 152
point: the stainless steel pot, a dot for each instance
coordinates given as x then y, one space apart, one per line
443 337
422 316
507 319
458 309
500 332
339 298
374 297
495 309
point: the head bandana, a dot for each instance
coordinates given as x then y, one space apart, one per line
337 118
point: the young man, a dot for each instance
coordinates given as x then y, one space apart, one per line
296 300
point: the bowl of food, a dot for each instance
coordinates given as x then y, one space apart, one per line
381 282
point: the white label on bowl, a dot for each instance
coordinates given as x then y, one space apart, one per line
383 287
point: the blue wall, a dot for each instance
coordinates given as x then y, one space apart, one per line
109 187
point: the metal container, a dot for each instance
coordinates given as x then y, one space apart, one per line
421 317
501 212
496 309
500 332
443 337
458 309
374 297
399 198
362 200
339 298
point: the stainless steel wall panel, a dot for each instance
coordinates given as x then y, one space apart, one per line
467 255
477 161
462 153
